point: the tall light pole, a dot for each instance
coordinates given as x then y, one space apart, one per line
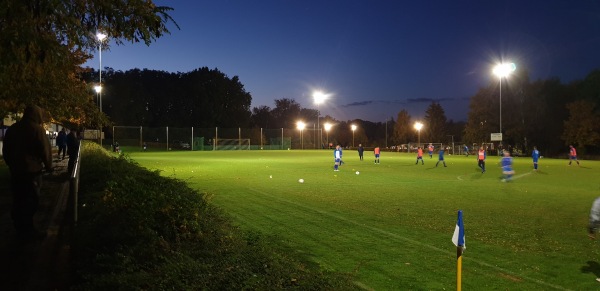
101 37
319 97
502 71
327 126
300 125
418 127
353 129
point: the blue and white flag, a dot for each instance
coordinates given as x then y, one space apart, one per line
459 232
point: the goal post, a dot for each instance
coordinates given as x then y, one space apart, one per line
231 144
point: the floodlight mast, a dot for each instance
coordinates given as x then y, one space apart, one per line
418 126
503 70
319 97
300 125
353 129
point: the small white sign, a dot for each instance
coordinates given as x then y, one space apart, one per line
496 136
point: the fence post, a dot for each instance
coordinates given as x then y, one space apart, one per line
282 138
141 138
216 138
192 142
168 138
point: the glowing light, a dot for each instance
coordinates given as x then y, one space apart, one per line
418 126
503 70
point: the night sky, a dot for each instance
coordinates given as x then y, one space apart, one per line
375 58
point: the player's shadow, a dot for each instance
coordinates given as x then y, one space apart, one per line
591 267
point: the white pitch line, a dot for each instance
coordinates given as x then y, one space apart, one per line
397 236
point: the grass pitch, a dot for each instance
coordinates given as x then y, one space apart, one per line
391 226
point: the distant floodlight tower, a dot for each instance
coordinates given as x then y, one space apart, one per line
101 37
300 125
503 71
353 130
327 126
418 127
319 98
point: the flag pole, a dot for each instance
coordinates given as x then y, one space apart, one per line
459 251
458 238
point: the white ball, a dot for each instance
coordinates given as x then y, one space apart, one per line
357 172
301 181
271 177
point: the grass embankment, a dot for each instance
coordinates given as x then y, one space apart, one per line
391 225
139 230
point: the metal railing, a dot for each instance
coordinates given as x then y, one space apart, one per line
74 182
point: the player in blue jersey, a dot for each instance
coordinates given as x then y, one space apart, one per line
466 149
337 158
441 157
507 169
535 155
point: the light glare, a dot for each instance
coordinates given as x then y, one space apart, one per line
503 70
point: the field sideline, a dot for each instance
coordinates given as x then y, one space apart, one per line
391 225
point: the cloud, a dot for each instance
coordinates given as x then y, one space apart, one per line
428 100
361 103
407 101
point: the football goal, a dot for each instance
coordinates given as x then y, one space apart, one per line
231 144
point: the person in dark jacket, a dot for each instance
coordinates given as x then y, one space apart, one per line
361 151
27 152
72 149
61 143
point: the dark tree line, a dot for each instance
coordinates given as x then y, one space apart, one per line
201 98
542 113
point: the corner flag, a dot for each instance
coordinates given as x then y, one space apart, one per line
459 232
459 241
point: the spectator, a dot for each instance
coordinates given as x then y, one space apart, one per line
26 148
61 143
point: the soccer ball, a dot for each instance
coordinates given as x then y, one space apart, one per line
301 181
357 172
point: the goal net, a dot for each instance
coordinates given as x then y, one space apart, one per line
231 144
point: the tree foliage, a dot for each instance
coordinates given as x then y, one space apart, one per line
403 129
44 43
436 122
202 98
583 126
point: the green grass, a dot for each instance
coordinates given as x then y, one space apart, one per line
391 225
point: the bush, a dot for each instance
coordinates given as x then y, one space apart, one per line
139 230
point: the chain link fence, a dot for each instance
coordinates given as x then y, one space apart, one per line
208 139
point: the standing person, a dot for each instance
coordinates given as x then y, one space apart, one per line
573 155
594 222
341 153
26 148
535 155
376 151
441 158
430 149
72 149
361 150
466 149
61 143
337 158
481 156
507 169
420 156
